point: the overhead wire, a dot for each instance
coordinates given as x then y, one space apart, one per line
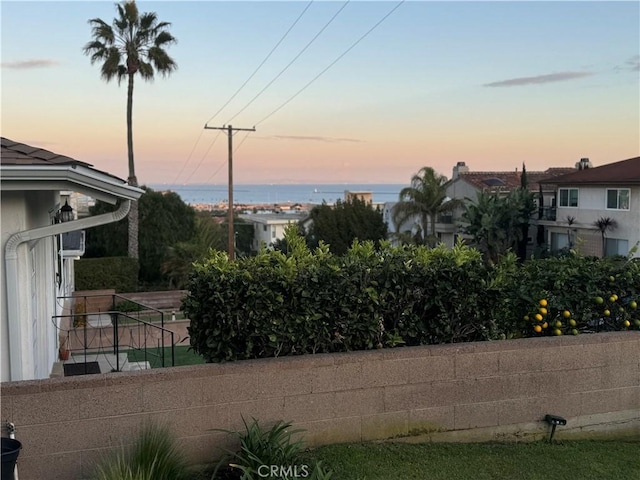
233 96
292 61
327 68
263 62
332 63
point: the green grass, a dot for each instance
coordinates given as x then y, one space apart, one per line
570 460
183 356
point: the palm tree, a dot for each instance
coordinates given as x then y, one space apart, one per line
134 44
604 225
424 200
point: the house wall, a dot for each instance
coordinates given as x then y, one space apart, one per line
274 231
476 391
591 206
37 287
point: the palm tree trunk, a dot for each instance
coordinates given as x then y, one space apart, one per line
133 213
434 236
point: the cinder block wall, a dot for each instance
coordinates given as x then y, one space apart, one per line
461 392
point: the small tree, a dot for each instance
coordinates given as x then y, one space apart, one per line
339 226
497 223
424 199
604 225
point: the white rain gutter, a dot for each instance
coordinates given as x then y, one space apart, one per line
11 265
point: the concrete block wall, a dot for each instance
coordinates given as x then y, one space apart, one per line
461 392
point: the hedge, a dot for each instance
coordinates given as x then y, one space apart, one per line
119 273
313 301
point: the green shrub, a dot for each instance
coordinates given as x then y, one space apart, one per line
315 302
128 306
263 448
119 273
154 456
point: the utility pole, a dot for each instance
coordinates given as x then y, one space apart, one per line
230 130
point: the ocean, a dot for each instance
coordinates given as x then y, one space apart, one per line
295 193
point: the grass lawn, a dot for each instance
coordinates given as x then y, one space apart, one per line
183 356
570 460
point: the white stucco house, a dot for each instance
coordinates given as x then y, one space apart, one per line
610 191
35 269
269 227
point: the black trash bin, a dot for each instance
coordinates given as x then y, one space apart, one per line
10 451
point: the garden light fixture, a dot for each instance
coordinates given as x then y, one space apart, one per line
554 421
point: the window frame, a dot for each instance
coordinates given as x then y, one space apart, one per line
617 207
568 190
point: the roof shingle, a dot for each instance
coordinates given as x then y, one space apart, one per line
625 172
506 181
14 153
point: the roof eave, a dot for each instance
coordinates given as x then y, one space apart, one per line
77 178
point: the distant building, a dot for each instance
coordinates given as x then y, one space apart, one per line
366 197
269 227
584 196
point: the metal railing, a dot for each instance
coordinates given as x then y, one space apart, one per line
94 331
547 213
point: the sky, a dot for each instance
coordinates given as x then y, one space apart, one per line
346 92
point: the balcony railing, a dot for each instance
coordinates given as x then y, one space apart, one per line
547 213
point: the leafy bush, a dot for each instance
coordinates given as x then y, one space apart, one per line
128 306
263 449
119 273
154 456
314 301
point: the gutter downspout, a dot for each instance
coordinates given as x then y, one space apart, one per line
11 264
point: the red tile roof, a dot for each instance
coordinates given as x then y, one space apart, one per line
625 172
506 181
14 153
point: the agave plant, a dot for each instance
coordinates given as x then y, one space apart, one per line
154 456
274 446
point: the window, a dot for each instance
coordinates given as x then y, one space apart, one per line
264 228
568 197
273 233
559 241
618 199
615 246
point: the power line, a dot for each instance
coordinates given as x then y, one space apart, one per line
292 61
203 157
234 95
263 61
333 63
175 180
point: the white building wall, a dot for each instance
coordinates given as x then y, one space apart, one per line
36 283
592 206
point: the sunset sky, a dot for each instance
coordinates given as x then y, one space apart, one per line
494 84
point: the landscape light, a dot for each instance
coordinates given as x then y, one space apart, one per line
554 421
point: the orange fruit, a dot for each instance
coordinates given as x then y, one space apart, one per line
572 322
537 329
538 317
545 325
543 311
543 303
566 314
607 313
557 332
626 323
